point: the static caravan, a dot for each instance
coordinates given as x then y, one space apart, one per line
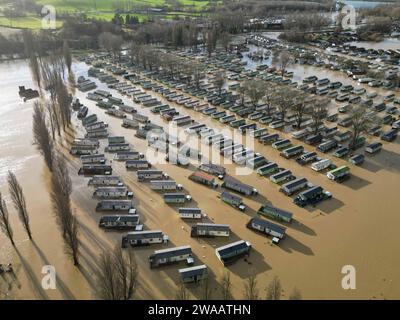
213 169
112 192
137 164
95 169
210 230
114 205
228 151
171 255
96 125
105 181
373 147
258 132
282 176
128 155
275 213
230 253
239 187
247 128
193 274
269 168
270 138
119 222
327 146
96 158
227 119
190 213
86 142
266 227
232 200
130 123
117 147
143 238
82 150
256 162
203 178
321 165
212 139
98 133
300 134
181 120
89 119
174 198
195 128
161 185
307 158
242 156
339 174
150 174
312 196
292 187
292 151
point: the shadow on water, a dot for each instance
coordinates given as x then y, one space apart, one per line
387 160
67 294
356 183
38 291
255 260
290 244
298 226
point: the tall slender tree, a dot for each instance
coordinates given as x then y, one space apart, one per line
18 200
5 225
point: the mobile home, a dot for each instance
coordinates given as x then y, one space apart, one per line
161 185
105 181
128 155
193 274
171 255
210 230
173 198
95 169
292 151
281 176
143 238
232 200
119 222
112 192
96 158
114 205
292 187
339 174
275 213
237 186
150 175
230 253
203 178
190 213
213 169
266 227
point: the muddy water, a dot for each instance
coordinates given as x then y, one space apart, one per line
357 227
386 44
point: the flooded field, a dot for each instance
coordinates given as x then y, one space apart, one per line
357 227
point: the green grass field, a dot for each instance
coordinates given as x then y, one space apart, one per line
99 9
107 5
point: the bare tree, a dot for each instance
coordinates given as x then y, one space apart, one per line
361 122
117 275
295 294
41 135
274 289
181 292
255 90
5 224
250 288
284 100
225 40
219 81
18 200
300 107
67 55
269 97
226 286
318 112
283 60
242 93
205 289
61 189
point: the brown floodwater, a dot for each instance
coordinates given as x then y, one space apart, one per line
357 227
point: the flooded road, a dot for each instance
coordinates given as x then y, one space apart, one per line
357 227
